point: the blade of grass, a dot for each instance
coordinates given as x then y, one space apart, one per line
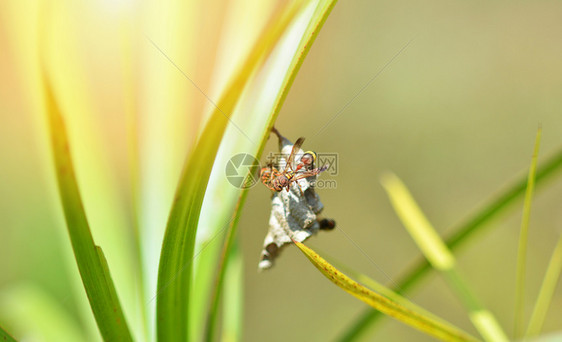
4 336
91 263
435 327
223 266
311 30
463 232
380 288
233 309
522 247
546 292
439 256
235 41
375 285
61 30
176 261
170 110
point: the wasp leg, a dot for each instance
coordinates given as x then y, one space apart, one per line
300 189
306 174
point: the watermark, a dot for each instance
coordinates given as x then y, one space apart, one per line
324 184
323 159
242 170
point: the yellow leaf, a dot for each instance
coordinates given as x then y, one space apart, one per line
437 328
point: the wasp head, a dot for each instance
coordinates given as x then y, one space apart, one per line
308 159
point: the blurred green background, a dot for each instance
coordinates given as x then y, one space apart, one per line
454 115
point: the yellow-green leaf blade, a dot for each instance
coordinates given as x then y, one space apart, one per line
476 222
176 260
546 292
523 237
439 256
383 290
264 121
438 329
233 309
93 268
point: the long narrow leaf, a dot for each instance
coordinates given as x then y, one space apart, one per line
522 247
313 25
91 263
437 328
233 309
439 256
176 260
61 28
223 266
546 292
376 286
463 232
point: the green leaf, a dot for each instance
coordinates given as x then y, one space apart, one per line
463 232
91 263
546 292
258 125
176 260
430 325
233 309
523 237
439 256
224 265
4 336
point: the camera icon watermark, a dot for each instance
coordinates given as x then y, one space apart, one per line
242 170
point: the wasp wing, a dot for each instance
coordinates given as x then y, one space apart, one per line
294 151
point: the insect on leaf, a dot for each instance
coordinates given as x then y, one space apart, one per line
288 58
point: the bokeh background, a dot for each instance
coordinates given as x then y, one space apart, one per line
448 95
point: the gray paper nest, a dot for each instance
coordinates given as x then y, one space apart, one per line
294 214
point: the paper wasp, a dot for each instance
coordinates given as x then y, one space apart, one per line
278 180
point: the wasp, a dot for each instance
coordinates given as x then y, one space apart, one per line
295 213
278 180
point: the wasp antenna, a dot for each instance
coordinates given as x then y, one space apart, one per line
324 168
